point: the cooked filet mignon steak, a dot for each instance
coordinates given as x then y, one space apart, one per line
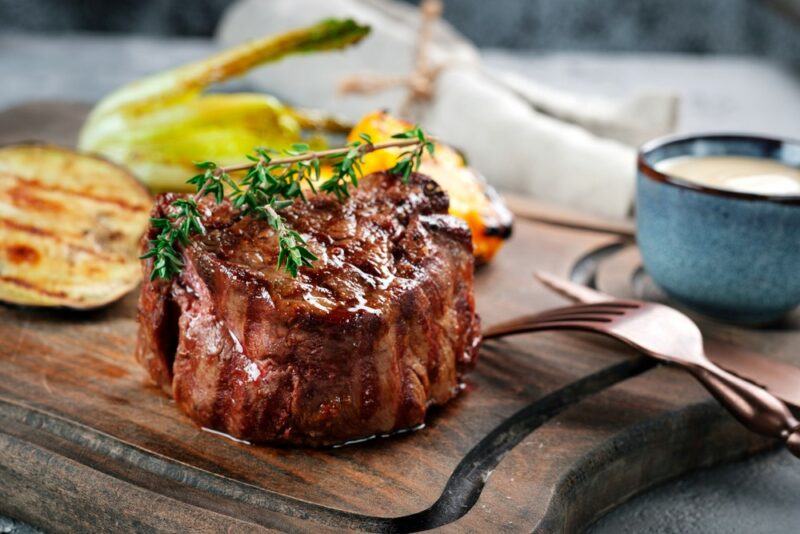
381 327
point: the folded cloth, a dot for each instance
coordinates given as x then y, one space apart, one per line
522 136
313 80
632 120
523 150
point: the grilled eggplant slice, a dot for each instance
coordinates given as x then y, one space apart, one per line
70 226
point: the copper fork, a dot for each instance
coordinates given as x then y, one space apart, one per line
670 336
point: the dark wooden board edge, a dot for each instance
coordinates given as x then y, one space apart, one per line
608 468
61 442
650 454
47 459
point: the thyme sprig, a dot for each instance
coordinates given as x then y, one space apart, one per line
269 185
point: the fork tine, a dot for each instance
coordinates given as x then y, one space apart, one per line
575 317
595 314
533 324
615 305
589 311
609 308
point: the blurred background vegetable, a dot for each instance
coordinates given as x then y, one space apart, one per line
471 198
160 125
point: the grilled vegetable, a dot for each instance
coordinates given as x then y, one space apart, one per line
160 125
471 198
70 225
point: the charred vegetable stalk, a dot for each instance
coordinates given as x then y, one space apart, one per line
272 184
160 125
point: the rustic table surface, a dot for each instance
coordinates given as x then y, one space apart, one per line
758 495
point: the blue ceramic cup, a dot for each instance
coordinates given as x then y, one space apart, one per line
730 255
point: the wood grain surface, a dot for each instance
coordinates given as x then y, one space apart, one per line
551 431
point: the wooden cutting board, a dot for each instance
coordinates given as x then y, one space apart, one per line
551 431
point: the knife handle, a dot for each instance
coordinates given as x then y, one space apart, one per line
753 406
571 290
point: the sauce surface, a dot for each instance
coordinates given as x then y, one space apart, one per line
735 173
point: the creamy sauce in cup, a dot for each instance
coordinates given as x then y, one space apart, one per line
735 173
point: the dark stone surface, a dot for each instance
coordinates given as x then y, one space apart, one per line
759 495
12 526
159 17
688 26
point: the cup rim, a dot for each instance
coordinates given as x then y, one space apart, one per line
650 171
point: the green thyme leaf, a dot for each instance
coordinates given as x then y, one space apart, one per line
269 186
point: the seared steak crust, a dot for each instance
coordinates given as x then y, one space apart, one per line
380 327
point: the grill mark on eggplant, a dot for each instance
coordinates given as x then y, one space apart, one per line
33 287
41 232
32 184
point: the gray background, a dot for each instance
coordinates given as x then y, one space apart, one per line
752 27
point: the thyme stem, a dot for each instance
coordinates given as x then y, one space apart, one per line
325 154
269 186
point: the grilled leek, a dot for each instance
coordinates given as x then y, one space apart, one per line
160 125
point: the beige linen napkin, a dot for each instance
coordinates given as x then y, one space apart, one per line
523 136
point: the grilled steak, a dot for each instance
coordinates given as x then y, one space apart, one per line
381 327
